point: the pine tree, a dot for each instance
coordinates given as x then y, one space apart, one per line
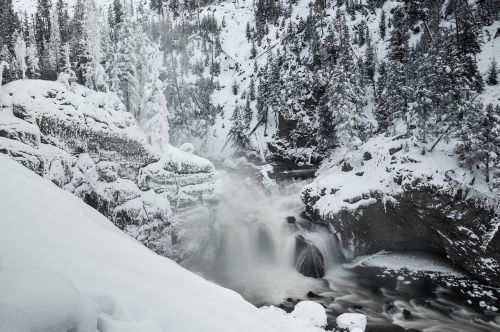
154 114
93 72
479 139
341 120
252 89
32 54
42 35
55 44
248 31
127 59
118 14
382 25
20 52
9 23
493 73
63 21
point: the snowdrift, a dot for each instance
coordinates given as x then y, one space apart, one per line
63 265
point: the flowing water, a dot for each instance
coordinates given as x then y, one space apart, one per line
261 240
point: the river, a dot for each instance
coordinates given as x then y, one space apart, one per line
262 239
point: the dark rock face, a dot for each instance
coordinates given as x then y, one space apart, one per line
308 259
86 143
424 219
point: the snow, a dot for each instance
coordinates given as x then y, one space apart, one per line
379 176
310 311
304 319
353 322
408 261
65 265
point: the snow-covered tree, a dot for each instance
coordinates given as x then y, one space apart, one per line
32 54
54 46
154 114
93 72
20 53
492 73
3 65
127 60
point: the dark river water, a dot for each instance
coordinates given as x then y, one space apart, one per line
261 239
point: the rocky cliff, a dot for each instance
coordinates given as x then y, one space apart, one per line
86 143
387 195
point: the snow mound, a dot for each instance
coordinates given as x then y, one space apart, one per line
352 322
64 266
310 311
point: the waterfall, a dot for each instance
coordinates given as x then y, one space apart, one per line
261 239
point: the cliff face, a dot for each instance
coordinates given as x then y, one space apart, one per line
388 196
86 143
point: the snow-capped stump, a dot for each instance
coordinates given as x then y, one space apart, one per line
85 142
45 301
353 322
312 312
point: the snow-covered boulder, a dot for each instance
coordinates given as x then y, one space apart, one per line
352 322
85 142
388 196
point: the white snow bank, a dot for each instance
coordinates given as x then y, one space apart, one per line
352 322
87 268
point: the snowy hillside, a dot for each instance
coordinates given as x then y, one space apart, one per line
85 142
63 265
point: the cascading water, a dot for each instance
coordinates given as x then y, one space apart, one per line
262 248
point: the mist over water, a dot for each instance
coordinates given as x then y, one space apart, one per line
260 242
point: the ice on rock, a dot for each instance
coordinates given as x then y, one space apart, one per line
312 312
353 322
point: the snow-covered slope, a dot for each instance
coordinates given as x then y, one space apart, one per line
85 142
64 265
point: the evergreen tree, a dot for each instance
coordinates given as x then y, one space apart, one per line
9 23
382 25
127 60
91 67
55 45
63 21
118 14
252 89
154 114
493 73
480 139
20 52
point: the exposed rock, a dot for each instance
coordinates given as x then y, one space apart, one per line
346 167
86 143
417 206
308 259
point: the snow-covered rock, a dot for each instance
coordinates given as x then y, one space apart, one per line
352 322
388 196
85 142
310 311
65 267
